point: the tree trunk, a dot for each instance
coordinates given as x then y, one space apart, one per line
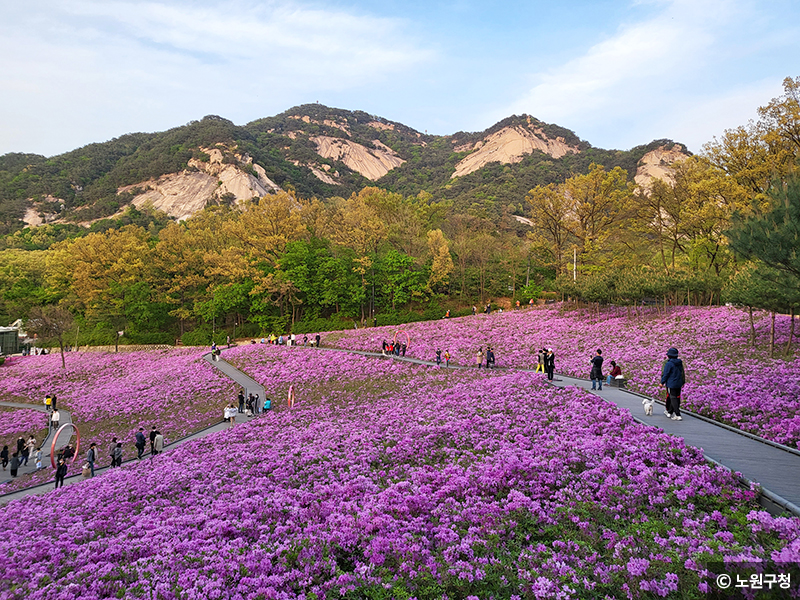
772 337
752 328
788 347
63 362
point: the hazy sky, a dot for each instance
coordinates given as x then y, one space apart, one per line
618 73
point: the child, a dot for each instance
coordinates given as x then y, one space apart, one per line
38 458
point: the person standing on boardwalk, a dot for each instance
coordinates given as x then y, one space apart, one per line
550 363
48 402
597 370
61 472
152 439
55 419
490 360
447 358
479 357
38 456
91 456
316 340
673 376
4 457
241 401
540 361
438 357
140 442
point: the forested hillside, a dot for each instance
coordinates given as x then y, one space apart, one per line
374 221
84 185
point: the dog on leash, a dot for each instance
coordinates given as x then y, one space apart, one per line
648 406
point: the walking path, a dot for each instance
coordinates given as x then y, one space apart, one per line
63 440
775 467
239 377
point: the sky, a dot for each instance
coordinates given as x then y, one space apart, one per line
617 73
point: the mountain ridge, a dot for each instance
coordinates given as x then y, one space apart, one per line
311 149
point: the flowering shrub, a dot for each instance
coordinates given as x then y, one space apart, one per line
112 395
16 422
394 481
727 380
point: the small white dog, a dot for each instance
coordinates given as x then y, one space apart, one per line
648 406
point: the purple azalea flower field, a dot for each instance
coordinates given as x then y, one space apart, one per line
727 380
20 422
112 395
389 480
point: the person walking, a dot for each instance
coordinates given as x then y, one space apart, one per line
316 340
31 445
61 472
241 401
479 357
38 456
152 439
55 419
673 376
540 361
48 402
4 457
14 464
91 456
438 357
490 359
550 363
597 370
158 443
447 358
111 448
140 443
116 457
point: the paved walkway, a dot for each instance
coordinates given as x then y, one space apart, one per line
239 377
775 467
63 440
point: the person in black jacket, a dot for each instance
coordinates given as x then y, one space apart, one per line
673 378
597 370
14 464
140 442
61 472
549 363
